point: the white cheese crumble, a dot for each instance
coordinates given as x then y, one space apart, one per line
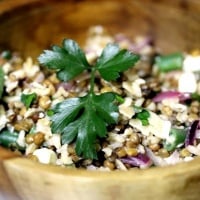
187 82
45 156
21 138
3 118
126 109
191 63
157 126
43 125
64 156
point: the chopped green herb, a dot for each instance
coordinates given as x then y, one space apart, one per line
141 114
176 138
6 55
119 99
1 81
28 99
32 130
195 96
8 139
50 113
169 62
85 119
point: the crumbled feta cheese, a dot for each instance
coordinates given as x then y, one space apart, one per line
120 165
10 85
29 69
191 63
43 125
194 149
182 117
115 140
174 104
54 140
19 74
39 89
30 148
3 118
45 156
31 111
134 87
64 155
61 92
126 109
21 138
7 67
157 126
3 121
187 82
107 151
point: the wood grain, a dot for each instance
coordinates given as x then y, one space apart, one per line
37 181
7 191
30 26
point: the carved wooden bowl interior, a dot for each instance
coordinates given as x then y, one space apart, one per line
29 26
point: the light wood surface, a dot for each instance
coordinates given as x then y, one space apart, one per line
29 27
36 181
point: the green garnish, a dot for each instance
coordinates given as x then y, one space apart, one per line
1 81
85 119
170 62
119 99
195 96
50 113
28 99
142 114
176 139
9 139
6 55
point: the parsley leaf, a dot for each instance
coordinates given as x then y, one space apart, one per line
85 119
142 114
113 61
1 81
69 60
28 99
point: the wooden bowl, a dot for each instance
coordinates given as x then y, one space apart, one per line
28 26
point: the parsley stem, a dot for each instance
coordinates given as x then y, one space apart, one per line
92 80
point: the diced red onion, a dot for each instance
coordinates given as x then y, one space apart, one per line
171 94
157 160
135 47
39 78
138 47
66 85
192 133
173 159
121 37
141 160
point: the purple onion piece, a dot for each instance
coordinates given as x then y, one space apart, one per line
192 132
121 37
141 160
66 85
171 94
138 47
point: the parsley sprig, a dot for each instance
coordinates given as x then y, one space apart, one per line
85 119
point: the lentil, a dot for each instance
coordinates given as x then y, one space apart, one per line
38 138
109 164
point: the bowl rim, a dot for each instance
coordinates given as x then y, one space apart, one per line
10 159
158 172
